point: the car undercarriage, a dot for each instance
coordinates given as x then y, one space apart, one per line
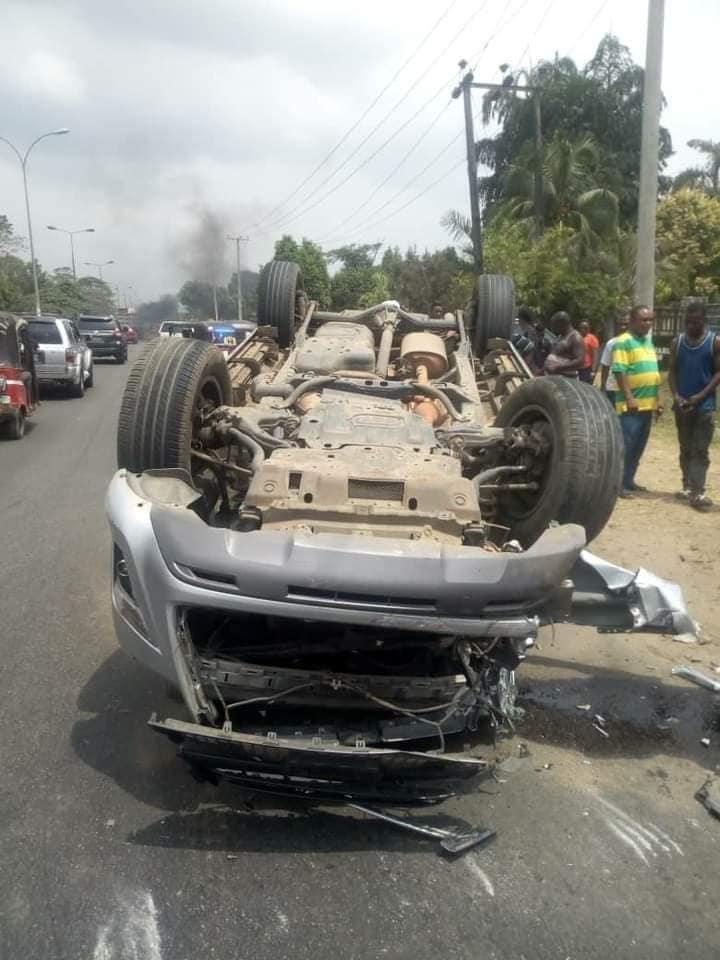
339 544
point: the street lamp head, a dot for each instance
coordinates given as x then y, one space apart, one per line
51 228
88 230
108 262
59 132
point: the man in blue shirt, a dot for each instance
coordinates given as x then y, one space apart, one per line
694 377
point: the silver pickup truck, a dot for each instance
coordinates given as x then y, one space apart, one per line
339 543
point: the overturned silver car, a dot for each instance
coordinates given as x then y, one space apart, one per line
339 544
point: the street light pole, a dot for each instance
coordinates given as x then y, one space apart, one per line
98 266
71 234
239 281
23 158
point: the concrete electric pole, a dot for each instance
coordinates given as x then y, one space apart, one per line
237 241
649 150
466 86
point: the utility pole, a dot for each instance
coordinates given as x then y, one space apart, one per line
649 149
237 241
466 86
215 304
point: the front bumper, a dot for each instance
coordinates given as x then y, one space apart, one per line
176 562
167 562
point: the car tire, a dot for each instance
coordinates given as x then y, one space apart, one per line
163 389
581 476
494 310
77 389
281 299
122 357
90 382
15 429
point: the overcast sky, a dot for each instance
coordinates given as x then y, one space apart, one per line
178 106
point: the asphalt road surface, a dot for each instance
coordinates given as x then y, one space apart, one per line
110 851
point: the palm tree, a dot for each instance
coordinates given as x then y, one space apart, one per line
572 196
705 178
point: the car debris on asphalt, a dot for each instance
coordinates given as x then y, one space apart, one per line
709 796
451 841
695 676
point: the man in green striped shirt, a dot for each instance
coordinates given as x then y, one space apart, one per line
636 371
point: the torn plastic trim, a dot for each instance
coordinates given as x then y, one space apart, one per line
610 597
300 768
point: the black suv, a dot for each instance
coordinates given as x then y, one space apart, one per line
104 336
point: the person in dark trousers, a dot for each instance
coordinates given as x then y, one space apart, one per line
523 332
694 376
608 383
592 353
568 352
638 386
544 341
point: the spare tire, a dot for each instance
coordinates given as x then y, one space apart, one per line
168 390
494 310
577 462
281 299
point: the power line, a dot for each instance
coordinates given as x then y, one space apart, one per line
302 211
298 210
348 133
587 26
427 189
498 27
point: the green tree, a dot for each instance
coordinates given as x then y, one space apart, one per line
573 196
197 298
311 259
602 100
688 245
149 316
551 275
707 177
358 280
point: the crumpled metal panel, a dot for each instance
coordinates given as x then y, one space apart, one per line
653 603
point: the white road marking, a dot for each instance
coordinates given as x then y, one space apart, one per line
132 932
641 836
626 839
478 871
669 839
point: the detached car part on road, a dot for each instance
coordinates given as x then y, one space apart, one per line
339 544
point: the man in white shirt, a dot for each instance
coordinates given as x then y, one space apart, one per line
608 383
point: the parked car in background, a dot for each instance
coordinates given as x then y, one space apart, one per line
18 377
104 336
228 336
61 354
190 329
131 335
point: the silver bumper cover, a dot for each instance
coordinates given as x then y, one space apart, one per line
173 561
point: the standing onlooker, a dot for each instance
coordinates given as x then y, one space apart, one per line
694 376
638 380
523 332
544 341
568 351
608 383
592 352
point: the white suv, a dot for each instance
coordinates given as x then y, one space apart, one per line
61 354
